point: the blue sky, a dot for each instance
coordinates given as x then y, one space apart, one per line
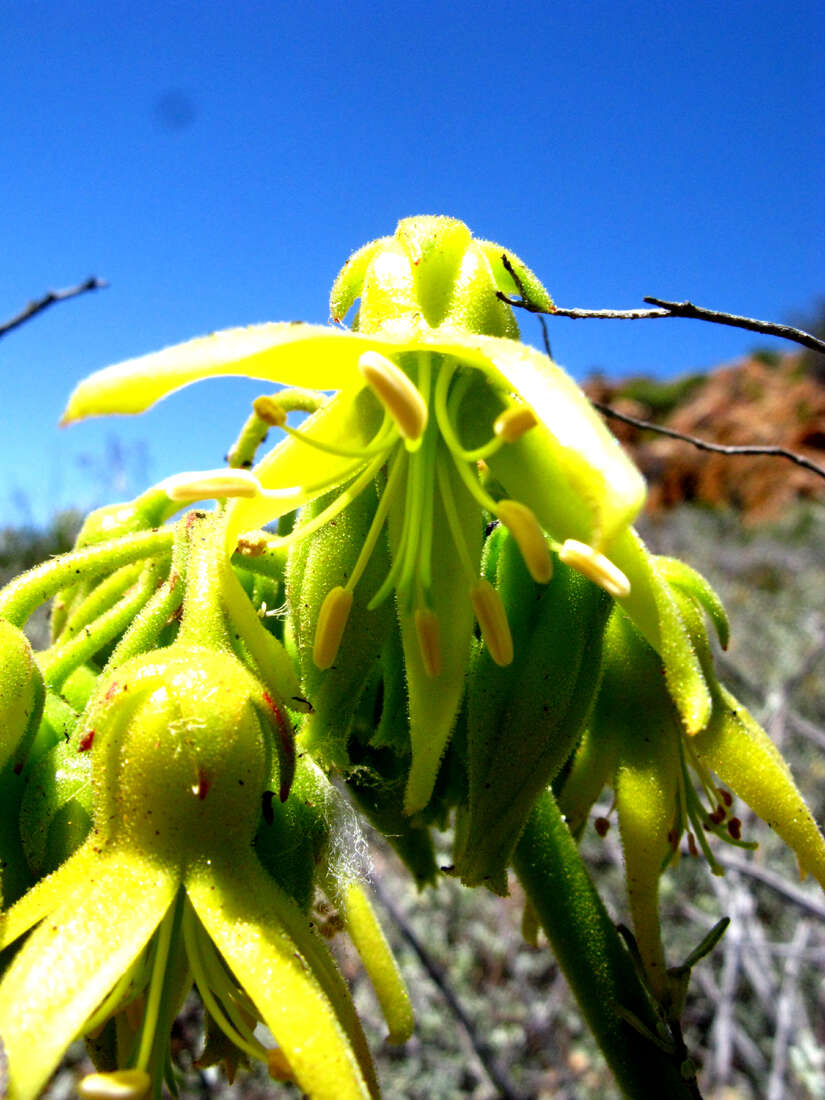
218 162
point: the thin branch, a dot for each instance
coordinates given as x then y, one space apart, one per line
705 445
767 328
53 296
789 891
665 309
507 1090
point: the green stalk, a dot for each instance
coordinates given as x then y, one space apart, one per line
63 659
204 621
594 959
26 593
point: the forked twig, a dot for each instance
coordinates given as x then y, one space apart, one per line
674 309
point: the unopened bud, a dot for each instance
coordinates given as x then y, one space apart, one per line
492 618
596 567
524 527
396 393
332 620
429 644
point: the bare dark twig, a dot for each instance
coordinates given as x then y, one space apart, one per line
705 445
49 299
664 309
767 328
673 309
789 891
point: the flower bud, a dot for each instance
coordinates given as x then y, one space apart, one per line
524 720
22 693
181 740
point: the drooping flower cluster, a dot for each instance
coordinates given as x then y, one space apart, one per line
469 622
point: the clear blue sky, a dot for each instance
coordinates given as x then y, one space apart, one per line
217 162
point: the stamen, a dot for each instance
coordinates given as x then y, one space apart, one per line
378 519
211 485
122 1084
514 422
492 618
429 643
396 393
332 619
270 410
524 527
596 567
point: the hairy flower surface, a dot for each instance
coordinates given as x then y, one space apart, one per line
167 889
457 421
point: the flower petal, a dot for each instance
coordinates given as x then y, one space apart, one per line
46 895
603 491
434 703
288 972
743 756
653 608
69 964
297 354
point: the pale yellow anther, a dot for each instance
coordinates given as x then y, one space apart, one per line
121 1084
514 422
268 409
211 485
492 618
596 567
429 640
332 620
524 527
396 393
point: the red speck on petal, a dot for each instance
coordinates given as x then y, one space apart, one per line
204 783
86 741
110 691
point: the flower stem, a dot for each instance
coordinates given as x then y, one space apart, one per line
26 593
594 959
204 622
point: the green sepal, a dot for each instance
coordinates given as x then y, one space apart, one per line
682 576
56 811
318 563
292 836
524 720
654 609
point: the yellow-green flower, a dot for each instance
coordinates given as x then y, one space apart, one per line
167 889
439 403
